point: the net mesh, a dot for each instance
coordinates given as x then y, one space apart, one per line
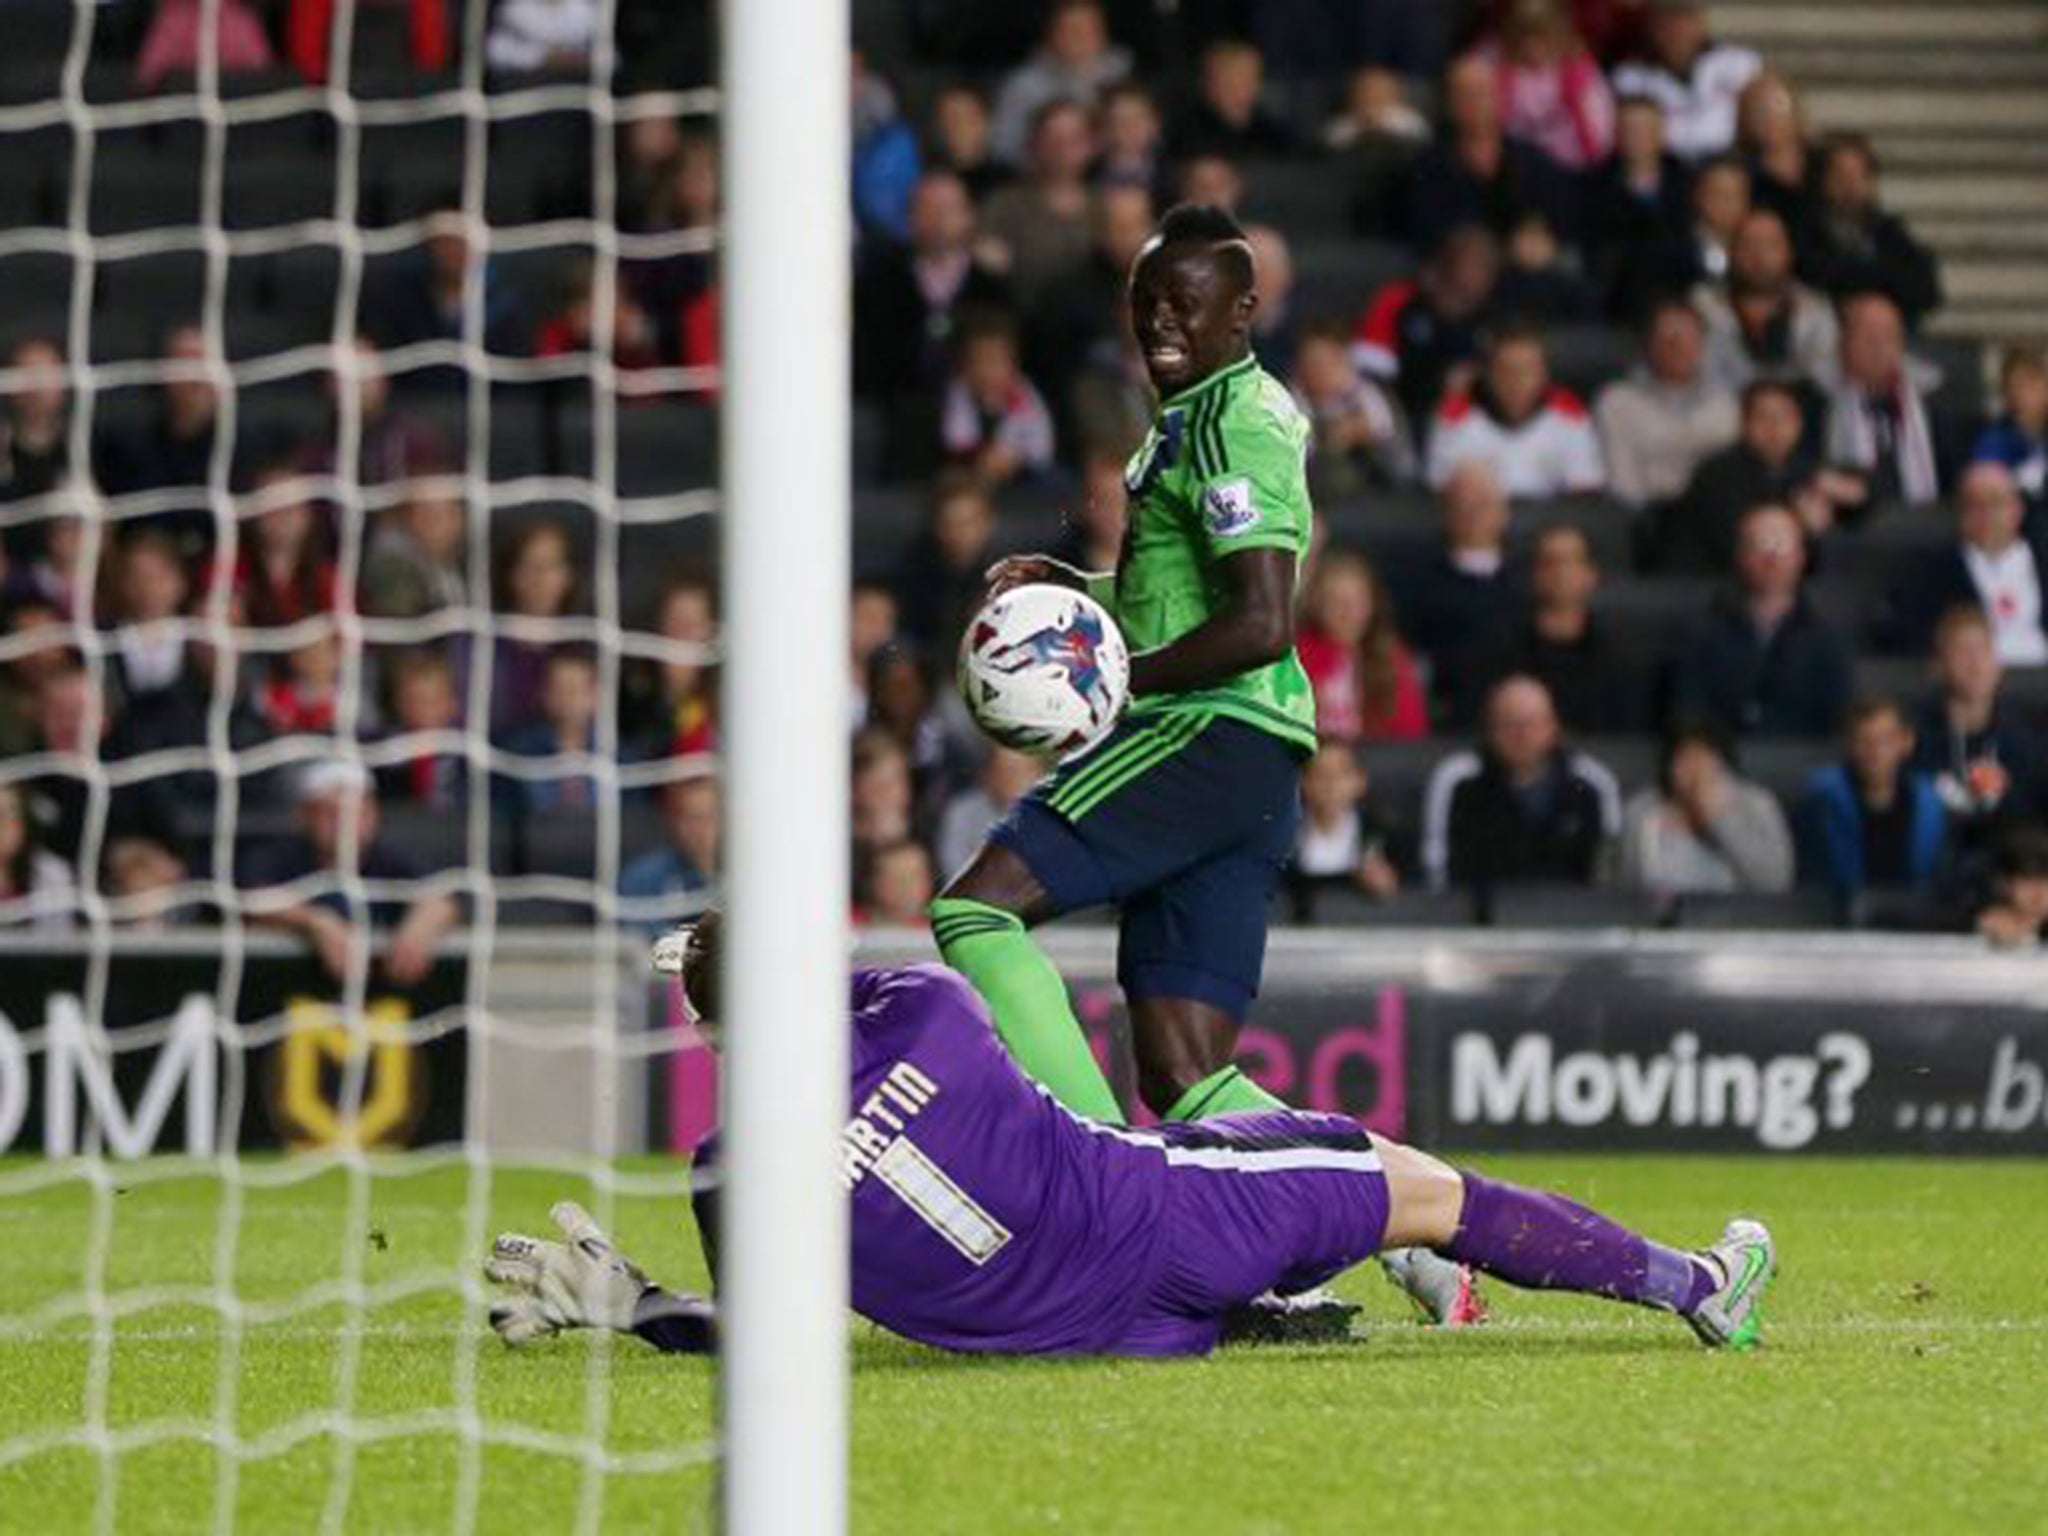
177 1288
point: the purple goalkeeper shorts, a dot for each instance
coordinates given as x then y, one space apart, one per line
1272 1200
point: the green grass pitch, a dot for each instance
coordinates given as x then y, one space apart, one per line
1904 1387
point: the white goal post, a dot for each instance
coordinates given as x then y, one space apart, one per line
786 457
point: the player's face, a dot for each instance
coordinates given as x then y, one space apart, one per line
1187 314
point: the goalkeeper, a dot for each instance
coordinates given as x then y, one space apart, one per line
987 1217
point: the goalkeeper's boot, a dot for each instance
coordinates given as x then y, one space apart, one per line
1747 1260
1319 1316
1445 1293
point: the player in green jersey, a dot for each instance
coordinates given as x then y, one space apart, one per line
1183 816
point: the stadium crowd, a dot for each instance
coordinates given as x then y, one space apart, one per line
1664 574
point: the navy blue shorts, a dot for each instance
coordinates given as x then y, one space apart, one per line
1183 821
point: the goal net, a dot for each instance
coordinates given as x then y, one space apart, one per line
359 725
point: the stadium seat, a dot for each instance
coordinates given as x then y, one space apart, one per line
1297 196
135 300
1568 906
1788 911
2027 689
1609 527
37 286
1337 906
1631 759
1336 279
142 180
1903 679
1583 357
438 839
539 168
1784 764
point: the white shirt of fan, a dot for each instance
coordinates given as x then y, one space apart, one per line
2009 586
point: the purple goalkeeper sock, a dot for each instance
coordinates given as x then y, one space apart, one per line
1544 1242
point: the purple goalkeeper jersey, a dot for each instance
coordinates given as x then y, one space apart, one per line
985 1216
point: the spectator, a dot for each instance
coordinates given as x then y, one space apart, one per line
1376 111
943 575
900 702
182 32
1084 309
303 697
1695 535
960 142
1700 250
35 430
1360 438
883 800
146 879
1074 64
393 444
1696 80
1871 820
1227 117
1422 334
1658 424
648 145
2018 439
36 887
992 419
425 704
1771 137
285 574
1763 662
1543 279
571 329
1042 221
151 592
885 156
1536 436
537 584
1111 401
1211 181
668 704
1703 829
1993 565
2017 913
1561 643
871 625
1878 422
1273 322
1760 322
566 727
56 577
1552 91
542 37
1378 134
685 865
309 34
685 198
1132 140
1987 763
423 296
1642 208
908 299
338 834
1464 593
1475 173
1341 844
174 450
895 886
1524 807
1094 536
1004 779
1851 245
418 560
1366 684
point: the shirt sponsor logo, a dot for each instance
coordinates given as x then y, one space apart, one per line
1227 507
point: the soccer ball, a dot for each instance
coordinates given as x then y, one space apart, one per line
1044 670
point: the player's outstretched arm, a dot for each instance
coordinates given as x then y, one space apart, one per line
587 1283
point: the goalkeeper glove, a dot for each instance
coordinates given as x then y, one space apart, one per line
583 1283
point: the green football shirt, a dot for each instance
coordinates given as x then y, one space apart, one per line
1222 469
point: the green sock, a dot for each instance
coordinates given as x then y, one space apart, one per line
1029 1000
1227 1092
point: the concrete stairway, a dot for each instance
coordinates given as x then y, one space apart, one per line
1955 96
